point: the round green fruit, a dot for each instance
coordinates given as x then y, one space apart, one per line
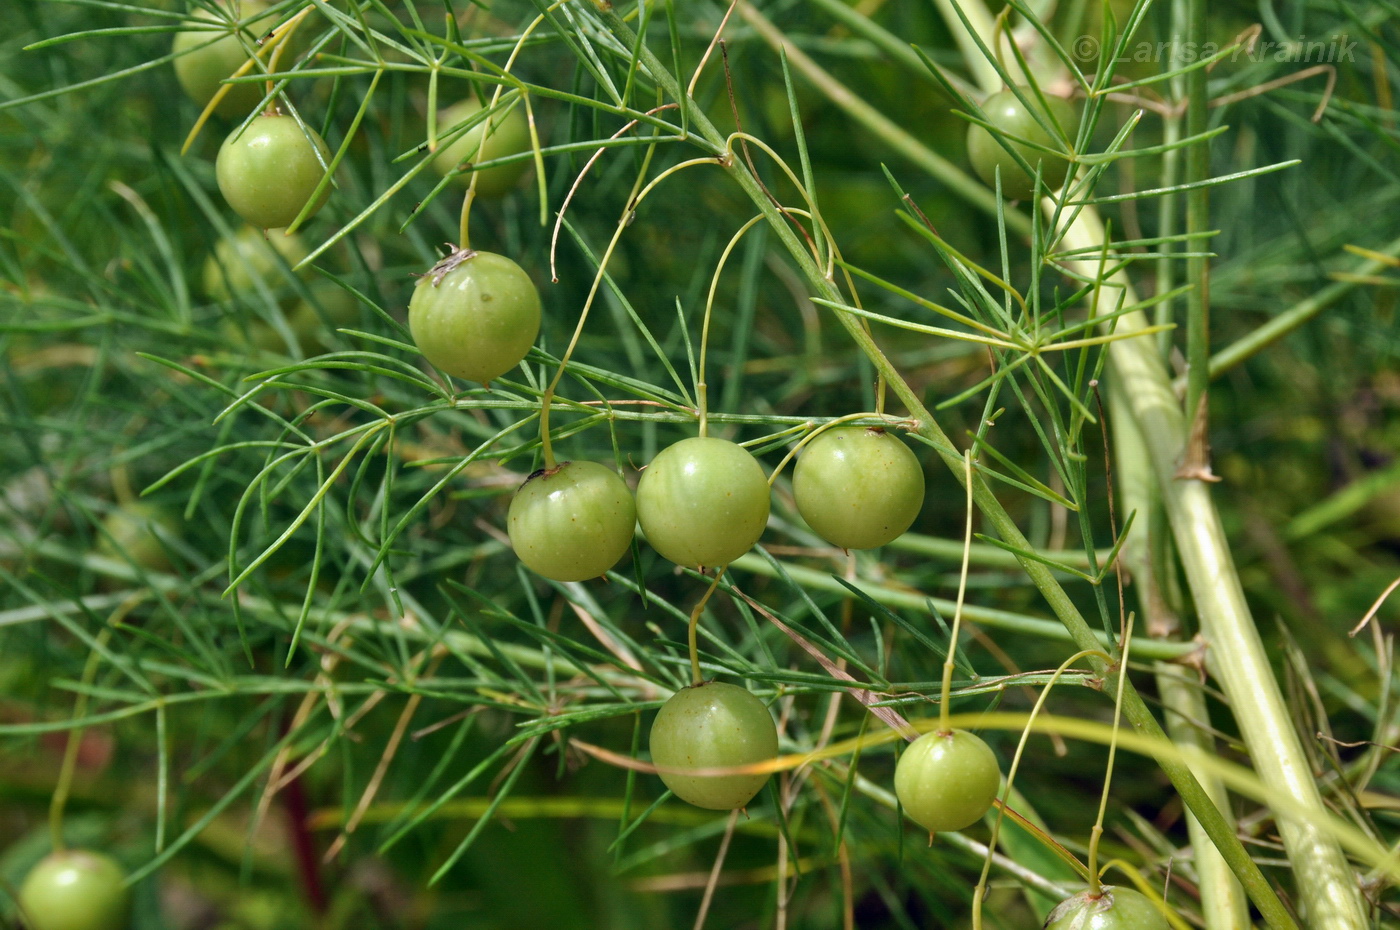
213 48
703 502
475 315
132 533
270 170
858 488
249 256
510 135
946 780
1010 116
75 890
713 725
572 522
1111 909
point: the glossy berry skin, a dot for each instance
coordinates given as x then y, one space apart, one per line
510 135
1112 909
249 256
1008 114
858 488
703 502
573 522
947 780
75 890
270 171
475 315
713 725
204 64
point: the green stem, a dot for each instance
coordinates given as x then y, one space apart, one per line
989 556
1096 833
1165 312
1223 904
696 677
1134 708
1197 264
74 743
1237 657
904 598
947 689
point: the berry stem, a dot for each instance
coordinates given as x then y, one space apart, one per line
279 40
702 399
702 390
695 676
1097 831
1003 811
75 735
464 224
634 197
490 127
814 434
944 698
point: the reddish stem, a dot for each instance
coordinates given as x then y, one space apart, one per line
293 797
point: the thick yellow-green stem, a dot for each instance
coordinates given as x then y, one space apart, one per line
1328 889
1223 902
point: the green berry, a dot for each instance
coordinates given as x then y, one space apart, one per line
572 522
132 533
703 502
249 256
1111 909
269 171
510 135
858 488
713 725
205 61
75 890
475 315
1008 114
946 780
